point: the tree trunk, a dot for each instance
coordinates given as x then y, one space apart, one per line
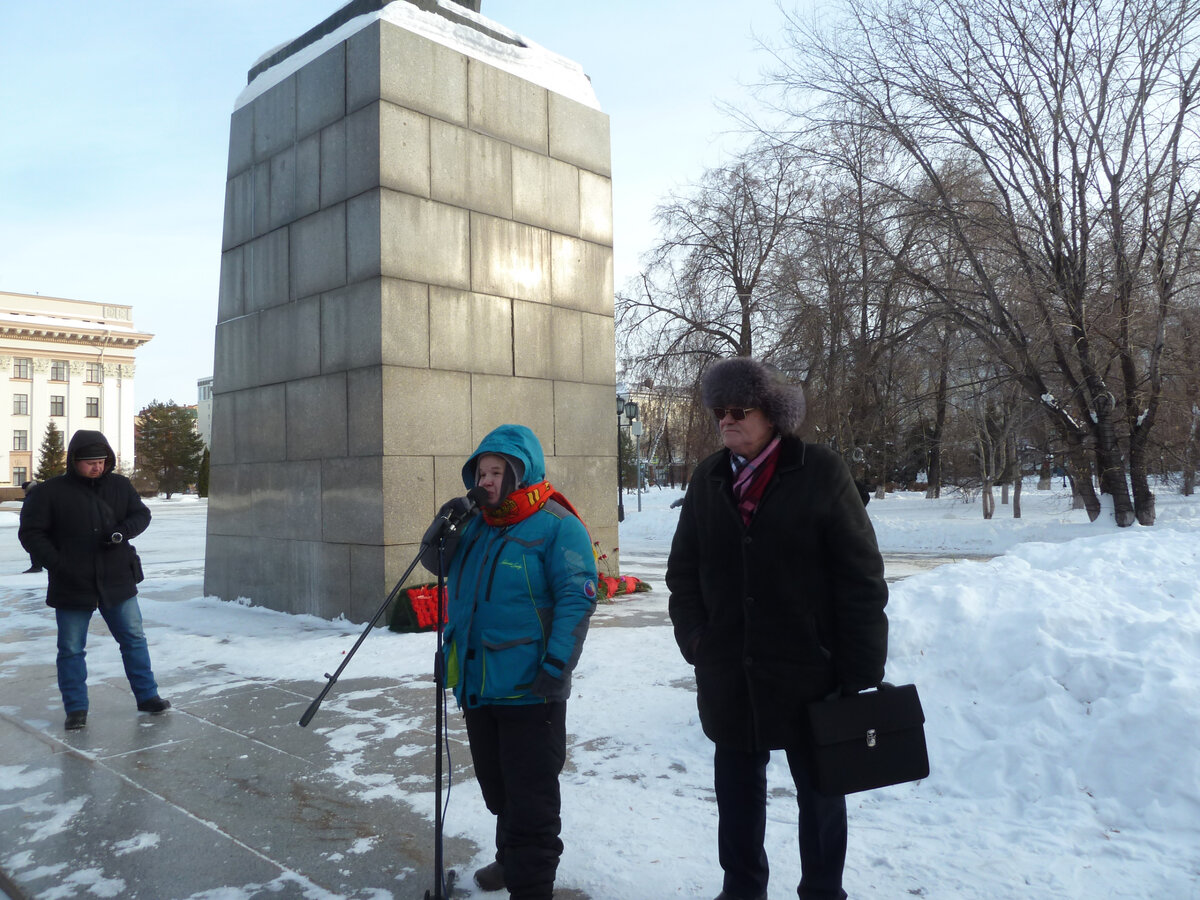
1189 456
989 502
1079 470
939 424
1004 494
933 490
1143 497
1112 466
1017 496
1044 475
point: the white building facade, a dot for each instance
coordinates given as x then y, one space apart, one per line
66 362
204 410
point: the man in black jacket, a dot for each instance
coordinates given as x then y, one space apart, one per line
78 526
777 598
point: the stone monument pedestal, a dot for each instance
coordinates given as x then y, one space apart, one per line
417 248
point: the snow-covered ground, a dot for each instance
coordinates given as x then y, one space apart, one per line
1060 681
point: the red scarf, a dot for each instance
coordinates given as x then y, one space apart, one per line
750 479
523 503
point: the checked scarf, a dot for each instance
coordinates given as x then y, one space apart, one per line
750 478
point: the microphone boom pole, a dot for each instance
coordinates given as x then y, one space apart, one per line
435 531
315 705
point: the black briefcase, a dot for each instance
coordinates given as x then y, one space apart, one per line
869 740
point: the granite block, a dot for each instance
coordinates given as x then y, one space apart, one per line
316 417
581 275
425 411
497 400
579 135
507 107
595 208
546 192
509 259
308 175
364 236
267 271
422 75
318 252
274 119
289 341
470 332
469 170
321 91
332 175
578 429
423 241
282 188
403 150
231 297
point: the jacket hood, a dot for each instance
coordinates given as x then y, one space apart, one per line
511 440
81 439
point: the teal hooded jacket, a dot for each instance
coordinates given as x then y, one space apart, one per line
520 596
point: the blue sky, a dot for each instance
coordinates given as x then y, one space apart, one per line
114 123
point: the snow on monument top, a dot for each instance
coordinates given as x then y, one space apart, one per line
448 23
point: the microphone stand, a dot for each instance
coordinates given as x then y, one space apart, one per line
443 878
442 527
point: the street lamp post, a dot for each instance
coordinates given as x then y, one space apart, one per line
636 428
629 410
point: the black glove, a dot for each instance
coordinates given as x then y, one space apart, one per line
452 513
456 509
546 685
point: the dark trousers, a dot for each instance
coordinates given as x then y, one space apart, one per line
518 752
741 787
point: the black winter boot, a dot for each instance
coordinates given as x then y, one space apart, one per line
76 719
154 705
491 877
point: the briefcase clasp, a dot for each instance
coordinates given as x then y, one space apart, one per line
870 737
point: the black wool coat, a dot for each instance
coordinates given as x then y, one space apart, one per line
781 612
63 526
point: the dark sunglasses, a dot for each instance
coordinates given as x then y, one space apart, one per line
737 413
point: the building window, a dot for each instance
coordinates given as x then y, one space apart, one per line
95 373
58 370
22 366
93 408
58 405
20 475
20 404
20 440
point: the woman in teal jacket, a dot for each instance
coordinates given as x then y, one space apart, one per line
522 587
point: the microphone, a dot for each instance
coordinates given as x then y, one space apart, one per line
475 496
454 513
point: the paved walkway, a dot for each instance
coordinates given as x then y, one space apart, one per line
224 797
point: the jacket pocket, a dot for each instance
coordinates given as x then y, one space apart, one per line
453 672
510 663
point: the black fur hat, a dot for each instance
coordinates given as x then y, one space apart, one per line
743 381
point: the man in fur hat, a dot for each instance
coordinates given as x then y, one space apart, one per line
78 526
777 598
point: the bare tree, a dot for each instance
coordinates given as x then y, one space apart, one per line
699 292
1077 121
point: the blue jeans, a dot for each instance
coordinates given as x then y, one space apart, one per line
124 620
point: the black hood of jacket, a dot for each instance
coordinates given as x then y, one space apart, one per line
81 439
